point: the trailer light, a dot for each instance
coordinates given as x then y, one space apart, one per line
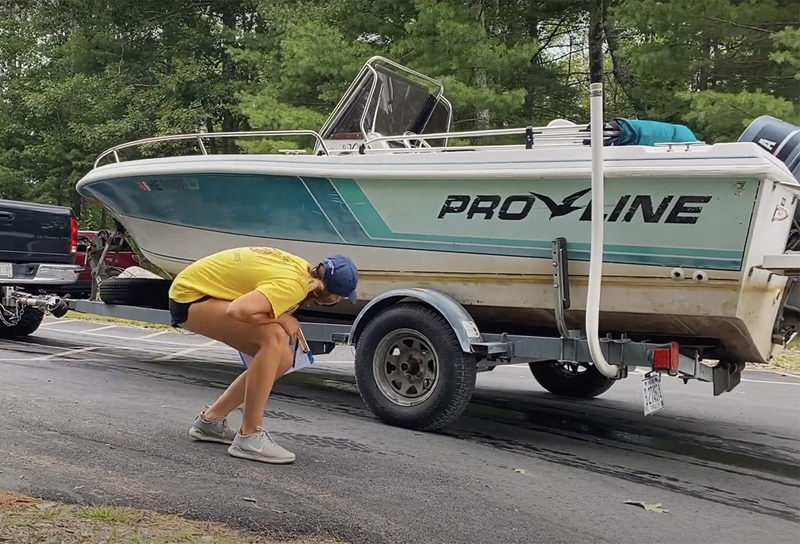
667 358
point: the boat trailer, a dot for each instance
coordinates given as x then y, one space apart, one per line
413 344
455 350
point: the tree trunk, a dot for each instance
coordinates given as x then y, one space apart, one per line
482 116
213 143
596 41
532 23
620 67
76 203
704 73
230 123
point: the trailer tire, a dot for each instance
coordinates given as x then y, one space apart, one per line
28 323
561 381
147 292
410 369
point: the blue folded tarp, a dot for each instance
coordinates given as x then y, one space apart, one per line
638 132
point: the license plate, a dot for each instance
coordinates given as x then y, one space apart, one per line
6 270
651 391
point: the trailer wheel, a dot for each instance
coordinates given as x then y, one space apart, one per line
151 293
410 369
580 380
28 323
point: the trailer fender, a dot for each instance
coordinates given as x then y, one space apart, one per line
459 319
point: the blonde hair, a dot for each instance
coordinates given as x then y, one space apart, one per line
315 284
318 291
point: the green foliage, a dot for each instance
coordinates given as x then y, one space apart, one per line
787 43
83 75
97 75
449 41
304 64
723 116
717 63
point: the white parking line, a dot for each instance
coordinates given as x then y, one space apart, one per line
51 356
66 352
37 359
149 351
191 347
117 337
188 350
54 323
773 382
639 371
159 333
179 353
104 327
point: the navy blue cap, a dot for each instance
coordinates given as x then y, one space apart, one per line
341 276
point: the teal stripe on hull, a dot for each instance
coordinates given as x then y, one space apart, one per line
373 223
341 212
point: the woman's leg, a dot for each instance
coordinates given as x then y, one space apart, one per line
271 361
228 401
209 318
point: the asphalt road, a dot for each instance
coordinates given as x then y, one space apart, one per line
94 412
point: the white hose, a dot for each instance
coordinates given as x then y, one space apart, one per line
598 219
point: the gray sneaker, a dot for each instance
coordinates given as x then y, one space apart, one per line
260 446
212 431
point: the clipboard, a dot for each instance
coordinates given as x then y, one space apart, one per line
303 358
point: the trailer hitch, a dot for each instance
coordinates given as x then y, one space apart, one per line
49 303
14 301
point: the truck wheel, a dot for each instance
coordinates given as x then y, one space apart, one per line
410 369
28 323
580 380
150 293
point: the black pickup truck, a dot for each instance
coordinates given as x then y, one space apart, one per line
37 260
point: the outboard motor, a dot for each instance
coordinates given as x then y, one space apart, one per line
782 140
779 138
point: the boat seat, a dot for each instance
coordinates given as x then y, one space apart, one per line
560 123
377 145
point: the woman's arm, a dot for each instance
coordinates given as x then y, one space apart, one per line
254 308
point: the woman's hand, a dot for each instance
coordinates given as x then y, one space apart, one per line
289 324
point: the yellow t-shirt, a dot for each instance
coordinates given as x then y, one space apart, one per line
282 277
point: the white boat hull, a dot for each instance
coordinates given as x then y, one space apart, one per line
515 294
675 269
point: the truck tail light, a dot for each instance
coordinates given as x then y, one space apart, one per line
667 358
73 235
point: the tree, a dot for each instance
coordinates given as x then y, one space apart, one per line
715 65
317 51
79 76
81 79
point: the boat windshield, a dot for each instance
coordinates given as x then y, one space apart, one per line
384 102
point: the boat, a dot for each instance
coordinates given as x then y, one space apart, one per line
474 215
